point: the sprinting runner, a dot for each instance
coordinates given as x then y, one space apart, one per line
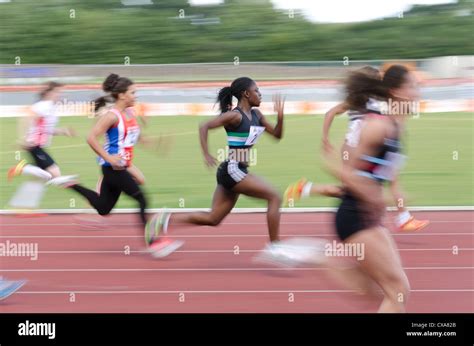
377 159
301 189
40 127
121 130
244 125
35 136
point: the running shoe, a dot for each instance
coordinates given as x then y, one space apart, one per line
413 225
293 192
16 170
164 247
278 255
157 226
63 181
7 288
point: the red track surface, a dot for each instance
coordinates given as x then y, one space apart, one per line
206 276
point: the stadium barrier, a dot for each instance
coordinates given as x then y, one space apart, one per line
207 109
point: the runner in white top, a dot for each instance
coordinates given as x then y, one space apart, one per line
37 135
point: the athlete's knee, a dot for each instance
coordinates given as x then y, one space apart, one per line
400 285
404 286
210 218
214 221
274 197
104 210
402 292
54 170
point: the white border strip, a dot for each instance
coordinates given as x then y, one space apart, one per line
234 211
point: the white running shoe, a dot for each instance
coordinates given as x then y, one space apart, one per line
277 255
164 247
307 250
293 252
63 181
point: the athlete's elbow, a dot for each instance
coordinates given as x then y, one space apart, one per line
91 140
202 127
328 115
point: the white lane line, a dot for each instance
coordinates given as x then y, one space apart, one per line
202 269
224 235
98 223
229 251
229 292
293 210
156 269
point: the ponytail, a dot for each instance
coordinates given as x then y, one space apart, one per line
360 86
224 98
101 102
238 86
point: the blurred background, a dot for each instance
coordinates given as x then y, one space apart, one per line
181 52
175 31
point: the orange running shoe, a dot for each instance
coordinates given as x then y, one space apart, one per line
293 191
413 225
16 170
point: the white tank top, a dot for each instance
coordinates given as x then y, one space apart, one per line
41 131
